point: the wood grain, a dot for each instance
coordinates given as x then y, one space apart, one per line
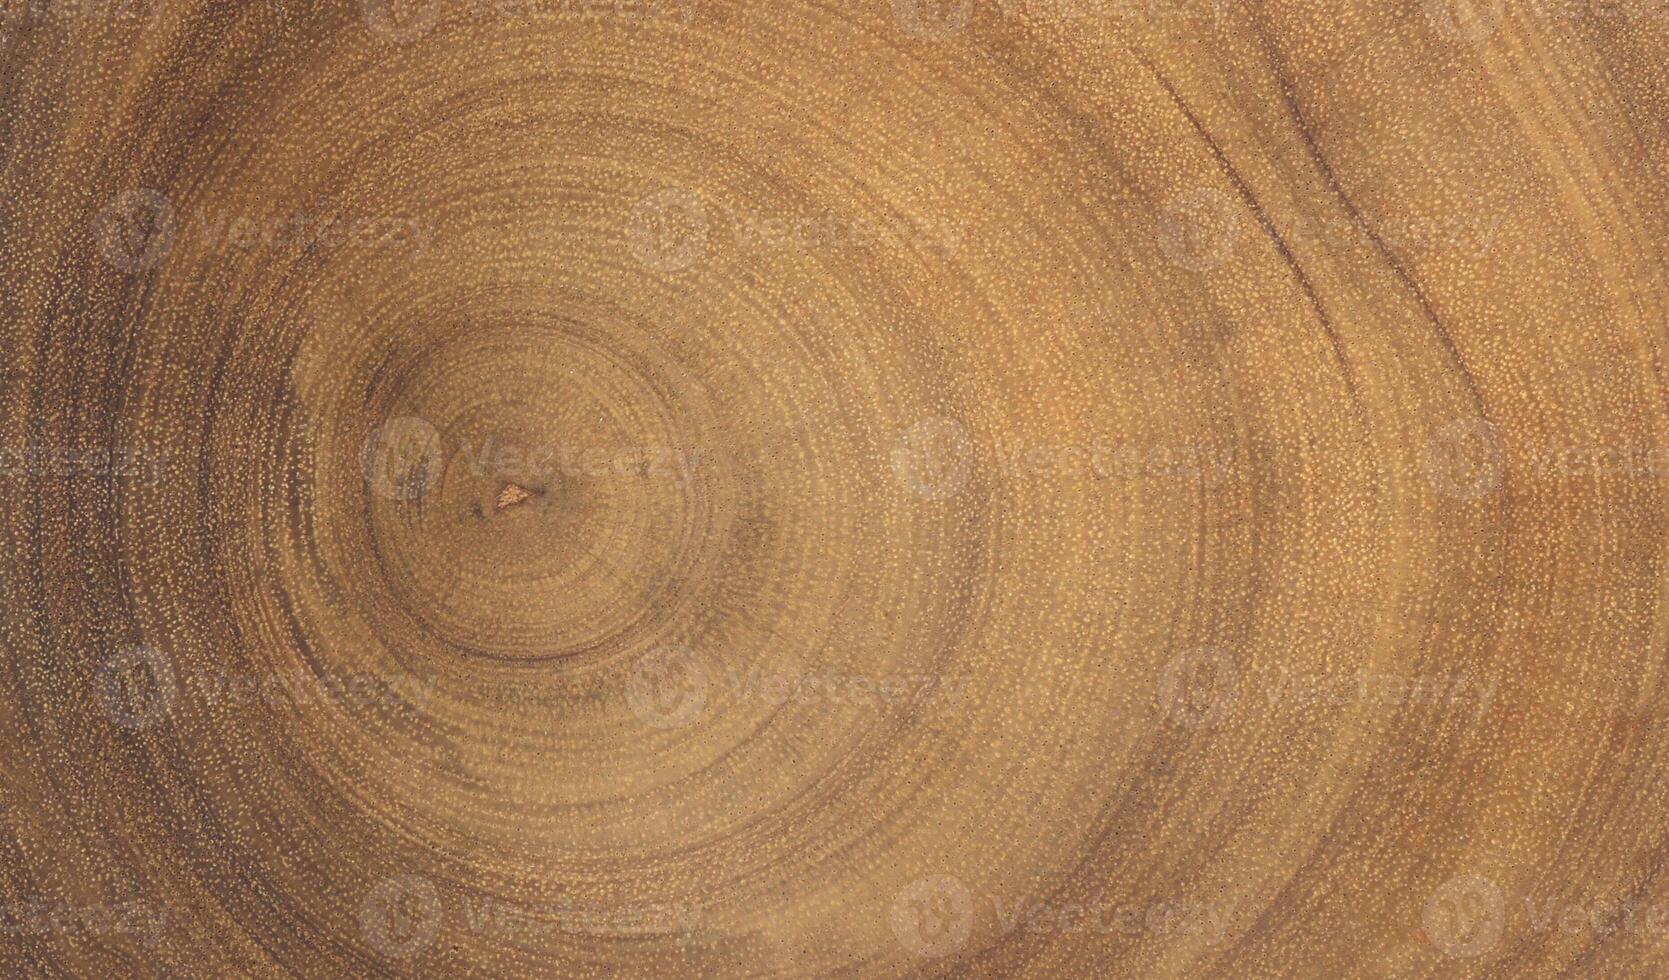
1042 488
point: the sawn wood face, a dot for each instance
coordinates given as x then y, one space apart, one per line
715 488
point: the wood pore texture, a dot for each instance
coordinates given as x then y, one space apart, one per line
704 488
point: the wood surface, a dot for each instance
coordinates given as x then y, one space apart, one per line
743 488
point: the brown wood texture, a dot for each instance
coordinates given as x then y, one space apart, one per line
742 488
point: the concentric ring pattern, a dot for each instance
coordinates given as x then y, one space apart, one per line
1057 488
